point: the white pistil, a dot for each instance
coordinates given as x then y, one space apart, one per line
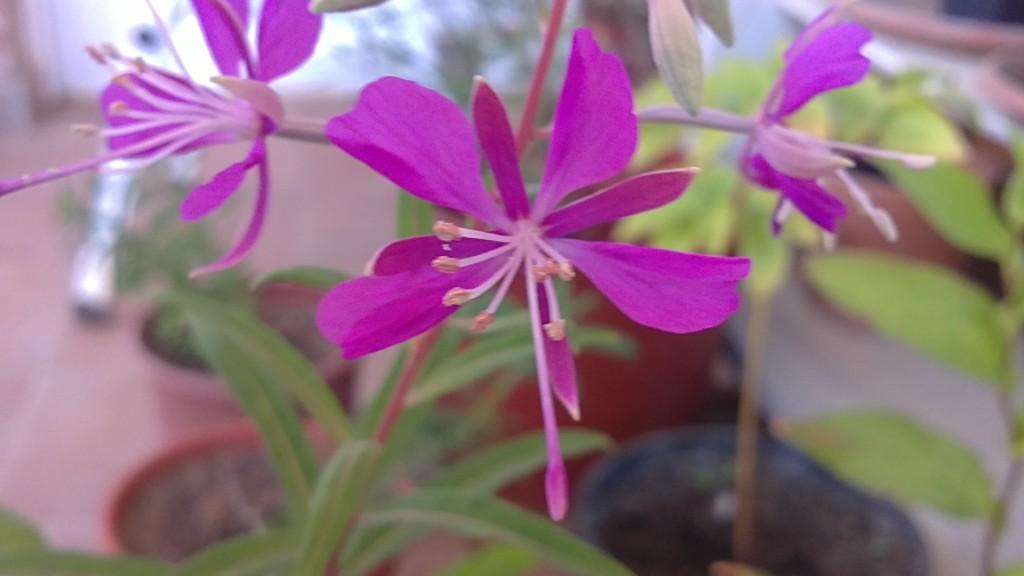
881 219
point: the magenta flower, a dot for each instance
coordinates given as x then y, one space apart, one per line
825 56
424 144
152 113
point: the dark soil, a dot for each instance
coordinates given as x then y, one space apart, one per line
200 502
665 509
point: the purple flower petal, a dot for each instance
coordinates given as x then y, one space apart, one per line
671 291
495 134
372 313
419 251
259 214
422 142
830 60
633 196
561 365
820 206
595 130
288 33
207 197
224 44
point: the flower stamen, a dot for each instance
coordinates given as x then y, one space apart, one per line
482 321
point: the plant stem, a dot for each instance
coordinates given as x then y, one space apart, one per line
997 524
748 431
554 24
303 130
707 118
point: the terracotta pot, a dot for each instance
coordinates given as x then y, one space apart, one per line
188 396
133 497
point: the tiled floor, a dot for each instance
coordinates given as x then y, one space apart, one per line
76 407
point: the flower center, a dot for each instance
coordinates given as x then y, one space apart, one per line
525 248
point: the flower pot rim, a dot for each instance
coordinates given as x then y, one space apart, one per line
208 439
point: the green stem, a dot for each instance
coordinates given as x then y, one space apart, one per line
748 431
996 526
303 130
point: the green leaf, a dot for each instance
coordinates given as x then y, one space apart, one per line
920 129
265 555
677 52
959 205
325 6
933 310
492 468
314 277
475 515
888 453
340 493
717 15
282 366
415 217
257 364
1016 570
497 560
1013 193
71 564
17 535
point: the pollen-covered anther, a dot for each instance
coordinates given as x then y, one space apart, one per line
446 231
566 271
555 330
96 54
119 108
85 129
140 65
546 270
123 80
482 321
110 50
457 297
445 264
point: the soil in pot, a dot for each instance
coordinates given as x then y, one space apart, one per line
664 507
196 502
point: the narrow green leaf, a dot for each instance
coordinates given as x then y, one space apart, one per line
492 468
480 516
1017 570
959 205
264 555
371 546
313 277
469 367
283 366
888 453
340 493
1013 193
254 363
717 15
325 6
415 216
933 310
496 560
371 419
677 52
72 564
17 535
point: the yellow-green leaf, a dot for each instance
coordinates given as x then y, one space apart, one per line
959 205
17 535
890 454
1016 570
1013 193
926 307
921 129
325 6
